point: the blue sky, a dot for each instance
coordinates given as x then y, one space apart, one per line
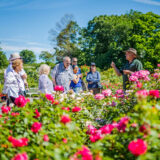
25 24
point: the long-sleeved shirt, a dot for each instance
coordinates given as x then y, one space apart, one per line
9 69
12 85
45 84
93 77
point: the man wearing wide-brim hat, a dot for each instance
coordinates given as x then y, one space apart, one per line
132 65
23 74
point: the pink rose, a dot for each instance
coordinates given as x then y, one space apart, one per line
76 109
142 93
64 140
18 142
20 156
91 130
119 91
46 138
137 147
158 65
5 109
21 101
49 97
123 123
107 129
156 75
66 108
107 92
154 93
99 96
36 126
84 153
37 114
139 85
14 114
65 119
133 78
59 88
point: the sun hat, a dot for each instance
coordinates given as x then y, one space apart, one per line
132 50
93 64
14 56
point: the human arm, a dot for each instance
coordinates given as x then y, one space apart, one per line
116 69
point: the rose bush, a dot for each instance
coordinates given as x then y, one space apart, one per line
112 125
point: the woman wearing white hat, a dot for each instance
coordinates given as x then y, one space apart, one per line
22 73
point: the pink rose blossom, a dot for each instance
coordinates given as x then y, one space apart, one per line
36 126
37 114
59 88
142 93
64 140
137 147
46 138
154 93
133 78
18 142
119 91
65 119
66 108
20 156
14 114
158 65
21 101
49 97
107 92
76 109
5 109
99 96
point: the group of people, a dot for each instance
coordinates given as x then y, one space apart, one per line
66 74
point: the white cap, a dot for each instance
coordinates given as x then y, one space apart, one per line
14 56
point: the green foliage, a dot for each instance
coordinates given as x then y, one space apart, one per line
106 37
28 56
46 56
3 59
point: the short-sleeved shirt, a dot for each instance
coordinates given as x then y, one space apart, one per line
134 66
62 75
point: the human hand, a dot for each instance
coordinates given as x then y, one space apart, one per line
126 71
113 64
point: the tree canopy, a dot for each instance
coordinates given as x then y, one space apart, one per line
28 56
3 59
106 37
46 56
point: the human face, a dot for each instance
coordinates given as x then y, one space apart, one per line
93 68
67 63
20 67
130 56
74 61
75 70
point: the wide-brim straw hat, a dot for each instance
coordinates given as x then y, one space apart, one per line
14 56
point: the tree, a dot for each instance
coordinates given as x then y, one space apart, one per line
68 43
3 59
28 56
46 56
106 37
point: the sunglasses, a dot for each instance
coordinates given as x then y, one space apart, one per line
74 61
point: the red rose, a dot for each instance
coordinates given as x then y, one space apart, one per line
5 109
21 101
36 126
59 88
154 93
49 97
14 114
18 142
37 114
65 119
76 109
137 147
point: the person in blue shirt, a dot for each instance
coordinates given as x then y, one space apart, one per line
76 84
93 78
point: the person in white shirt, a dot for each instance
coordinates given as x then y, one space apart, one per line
13 81
22 73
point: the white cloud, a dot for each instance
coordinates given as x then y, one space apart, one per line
151 2
13 48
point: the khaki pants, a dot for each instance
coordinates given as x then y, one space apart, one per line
95 90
